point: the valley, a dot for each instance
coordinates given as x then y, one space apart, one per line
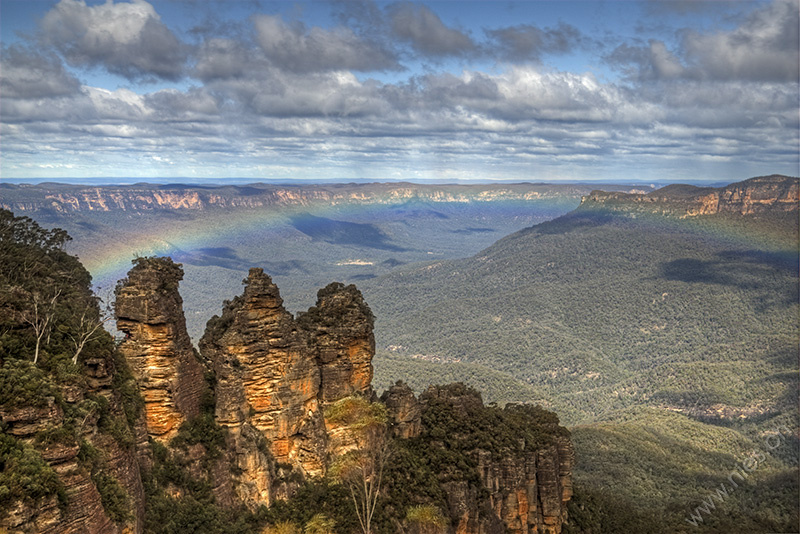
661 326
303 235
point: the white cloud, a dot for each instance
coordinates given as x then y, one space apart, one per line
426 32
296 49
765 47
30 74
128 39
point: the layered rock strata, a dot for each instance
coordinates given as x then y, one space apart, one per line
149 311
83 510
756 195
275 373
405 414
528 487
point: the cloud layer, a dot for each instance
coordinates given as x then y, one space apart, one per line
283 98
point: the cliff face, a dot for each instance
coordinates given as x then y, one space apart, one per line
524 484
83 510
275 374
339 330
267 388
149 311
292 396
65 199
753 196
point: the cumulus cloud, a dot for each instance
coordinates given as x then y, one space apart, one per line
526 42
426 32
298 49
289 94
651 62
220 58
128 39
765 48
31 74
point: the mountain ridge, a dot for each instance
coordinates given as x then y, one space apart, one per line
64 198
755 195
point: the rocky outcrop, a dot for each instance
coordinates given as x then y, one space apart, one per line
149 310
339 332
405 414
528 484
775 193
267 388
275 374
82 510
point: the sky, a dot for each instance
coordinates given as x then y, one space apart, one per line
669 90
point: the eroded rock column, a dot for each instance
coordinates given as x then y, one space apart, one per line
149 310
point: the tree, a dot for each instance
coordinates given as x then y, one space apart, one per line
361 470
88 327
40 316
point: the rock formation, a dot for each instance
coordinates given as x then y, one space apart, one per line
405 415
528 485
292 395
267 387
756 195
142 198
83 509
149 311
275 373
339 332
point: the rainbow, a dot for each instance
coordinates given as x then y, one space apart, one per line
110 260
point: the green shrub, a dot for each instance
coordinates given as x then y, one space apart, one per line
24 475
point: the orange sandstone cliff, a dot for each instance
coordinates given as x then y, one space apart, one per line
774 193
149 312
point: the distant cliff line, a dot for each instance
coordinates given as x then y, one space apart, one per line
756 195
63 198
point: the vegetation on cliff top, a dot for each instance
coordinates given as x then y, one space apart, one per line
50 325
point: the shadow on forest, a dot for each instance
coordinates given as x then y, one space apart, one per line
766 272
573 221
343 232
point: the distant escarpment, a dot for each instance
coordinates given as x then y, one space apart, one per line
756 195
272 422
65 199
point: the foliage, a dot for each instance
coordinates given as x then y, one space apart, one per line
23 384
599 315
45 299
24 475
113 497
684 461
194 508
282 527
455 427
315 497
361 470
201 429
49 326
124 384
426 519
319 524
356 413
